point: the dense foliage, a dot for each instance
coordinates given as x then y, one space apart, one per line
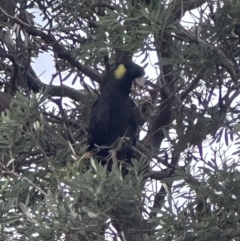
52 189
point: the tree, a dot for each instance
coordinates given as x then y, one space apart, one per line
52 189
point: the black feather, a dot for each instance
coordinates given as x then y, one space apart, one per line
115 115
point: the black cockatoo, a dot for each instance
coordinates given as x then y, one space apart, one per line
115 115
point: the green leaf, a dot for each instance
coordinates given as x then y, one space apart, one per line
164 61
144 12
11 219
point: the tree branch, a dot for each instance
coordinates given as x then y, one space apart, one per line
58 48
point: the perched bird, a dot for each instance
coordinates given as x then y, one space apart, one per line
115 115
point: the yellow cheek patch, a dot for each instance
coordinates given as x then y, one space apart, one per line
120 71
